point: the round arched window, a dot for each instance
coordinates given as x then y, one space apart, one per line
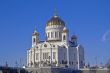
64 37
45 45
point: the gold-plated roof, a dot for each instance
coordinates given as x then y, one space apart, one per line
65 30
55 20
35 33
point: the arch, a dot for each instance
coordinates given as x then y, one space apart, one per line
55 34
52 34
64 37
34 40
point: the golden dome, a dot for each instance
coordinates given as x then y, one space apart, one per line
35 33
65 30
55 20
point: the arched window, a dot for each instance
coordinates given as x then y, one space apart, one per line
55 34
45 45
51 34
64 37
37 56
34 40
59 34
48 35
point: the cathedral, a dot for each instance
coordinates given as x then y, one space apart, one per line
56 50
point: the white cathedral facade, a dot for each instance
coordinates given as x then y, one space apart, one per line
56 50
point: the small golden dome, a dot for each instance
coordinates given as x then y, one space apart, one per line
35 33
55 20
65 30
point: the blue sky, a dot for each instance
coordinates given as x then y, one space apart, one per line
88 19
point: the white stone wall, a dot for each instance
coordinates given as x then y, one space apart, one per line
60 55
73 57
81 56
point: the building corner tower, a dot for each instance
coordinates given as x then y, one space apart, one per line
35 37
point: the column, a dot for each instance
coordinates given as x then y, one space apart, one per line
27 57
51 55
78 56
67 55
34 57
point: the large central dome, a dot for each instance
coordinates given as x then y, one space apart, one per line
54 28
55 20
